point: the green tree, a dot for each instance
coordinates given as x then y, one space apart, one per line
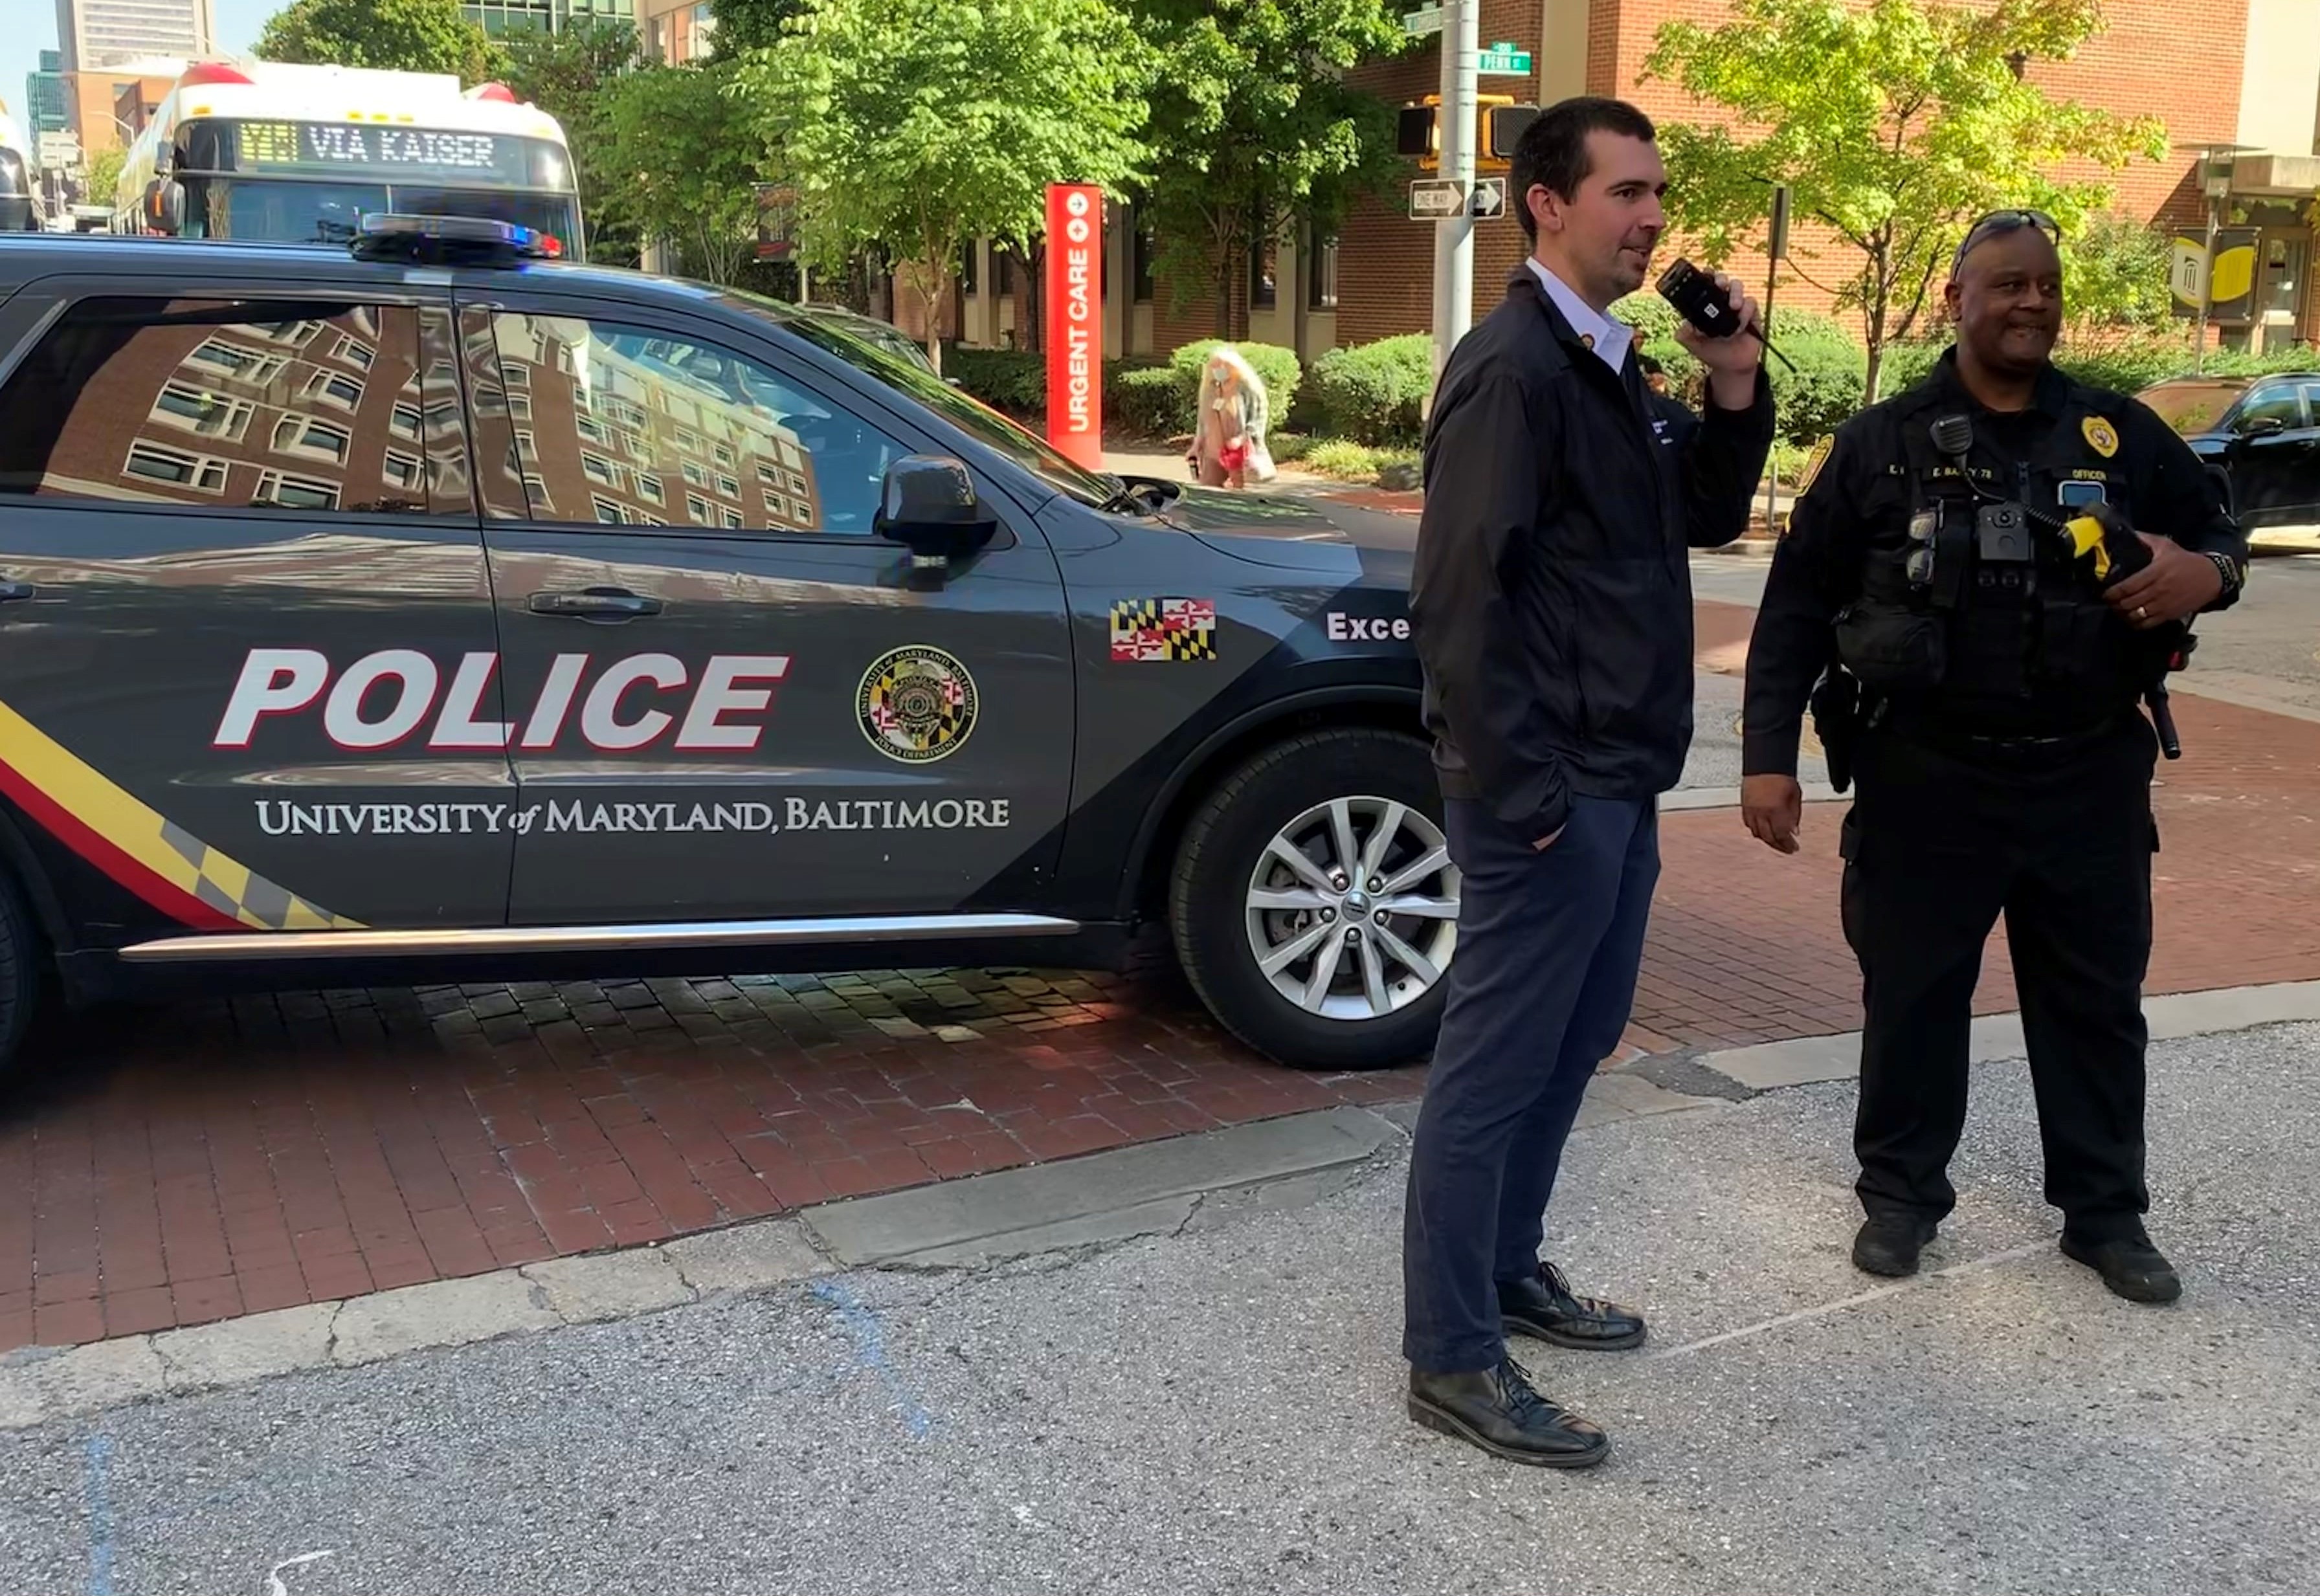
1254 125
744 26
1894 125
919 124
2116 284
572 75
103 178
682 155
405 35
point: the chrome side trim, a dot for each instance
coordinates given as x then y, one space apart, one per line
722 933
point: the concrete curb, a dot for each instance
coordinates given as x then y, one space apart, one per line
1153 1187
1685 798
1770 1065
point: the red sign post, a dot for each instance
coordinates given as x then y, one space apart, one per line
1075 322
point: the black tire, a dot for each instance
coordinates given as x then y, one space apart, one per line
1211 914
19 974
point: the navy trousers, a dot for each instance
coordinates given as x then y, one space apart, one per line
1540 988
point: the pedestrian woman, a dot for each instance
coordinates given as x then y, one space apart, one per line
1230 424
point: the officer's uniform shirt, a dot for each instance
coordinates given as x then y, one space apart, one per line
1863 494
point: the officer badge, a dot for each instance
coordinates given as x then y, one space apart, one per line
917 704
2101 437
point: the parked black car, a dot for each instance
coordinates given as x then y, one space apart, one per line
375 613
2263 432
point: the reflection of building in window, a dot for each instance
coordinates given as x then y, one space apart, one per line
729 487
599 469
189 369
697 475
335 389
296 435
648 489
198 410
608 512
697 507
151 463
295 492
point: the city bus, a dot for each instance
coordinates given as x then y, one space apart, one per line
20 177
287 153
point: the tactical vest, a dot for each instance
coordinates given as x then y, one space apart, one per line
1985 625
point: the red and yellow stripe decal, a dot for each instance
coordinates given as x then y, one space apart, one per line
138 846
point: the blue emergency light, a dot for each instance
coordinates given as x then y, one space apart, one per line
451 240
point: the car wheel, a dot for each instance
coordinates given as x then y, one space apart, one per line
1315 906
20 974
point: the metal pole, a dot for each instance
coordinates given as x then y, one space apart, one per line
1771 472
2207 287
1454 236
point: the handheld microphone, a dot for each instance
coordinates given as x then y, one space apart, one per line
1698 301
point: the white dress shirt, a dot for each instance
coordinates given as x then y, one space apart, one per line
1607 337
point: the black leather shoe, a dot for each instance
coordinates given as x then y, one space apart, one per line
2129 1264
1889 1242
1543 1307
1497 1410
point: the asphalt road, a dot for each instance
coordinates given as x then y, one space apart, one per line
1218 1410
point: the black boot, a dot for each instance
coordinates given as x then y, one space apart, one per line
1888 1243
1544 1306
1497 1410
2129 1264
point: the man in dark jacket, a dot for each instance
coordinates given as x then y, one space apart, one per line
1551 603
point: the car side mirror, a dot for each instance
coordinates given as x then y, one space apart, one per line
928 505
165 207
2262 426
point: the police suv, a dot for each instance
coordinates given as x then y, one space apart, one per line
428 607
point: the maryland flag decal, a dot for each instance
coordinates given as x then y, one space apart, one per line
140 847
1164 628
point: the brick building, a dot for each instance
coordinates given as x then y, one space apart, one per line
2243 72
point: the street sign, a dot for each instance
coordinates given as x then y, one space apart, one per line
1425 20
1435 199
1502 59
1488 198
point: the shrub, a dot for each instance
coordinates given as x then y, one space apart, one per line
1654 320
1374 392
1276 367
2126 366
1354 462
1145 400
1012 380
1831 371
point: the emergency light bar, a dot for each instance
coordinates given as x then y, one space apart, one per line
448 240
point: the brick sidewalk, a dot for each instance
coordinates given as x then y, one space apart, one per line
178 1166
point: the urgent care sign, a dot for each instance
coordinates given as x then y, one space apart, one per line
1075 322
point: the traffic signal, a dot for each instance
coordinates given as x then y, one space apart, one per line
1417 130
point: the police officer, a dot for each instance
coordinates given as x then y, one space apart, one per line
2002 759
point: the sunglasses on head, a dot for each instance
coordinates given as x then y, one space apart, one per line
1998 224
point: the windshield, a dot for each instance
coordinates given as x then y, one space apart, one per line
969 415
2192 408
290 213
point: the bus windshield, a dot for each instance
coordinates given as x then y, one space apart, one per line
289 211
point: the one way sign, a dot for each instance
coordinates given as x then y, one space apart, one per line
1488 198
1435 199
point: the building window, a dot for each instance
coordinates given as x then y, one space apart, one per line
694 473
609 513
342 391
1321 274
697 508
295 492
400 470
599 469
324 440
649 490
155 464
729 487
1141 249
197 410
1264 257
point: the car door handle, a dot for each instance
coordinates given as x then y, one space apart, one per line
9 592
595 603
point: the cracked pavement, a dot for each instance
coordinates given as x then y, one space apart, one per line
1218 1408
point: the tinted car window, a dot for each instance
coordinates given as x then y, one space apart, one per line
300 407
627 426
970 415
2279 404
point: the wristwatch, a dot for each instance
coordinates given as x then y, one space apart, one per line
2233 572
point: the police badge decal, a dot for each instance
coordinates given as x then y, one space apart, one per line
917 704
